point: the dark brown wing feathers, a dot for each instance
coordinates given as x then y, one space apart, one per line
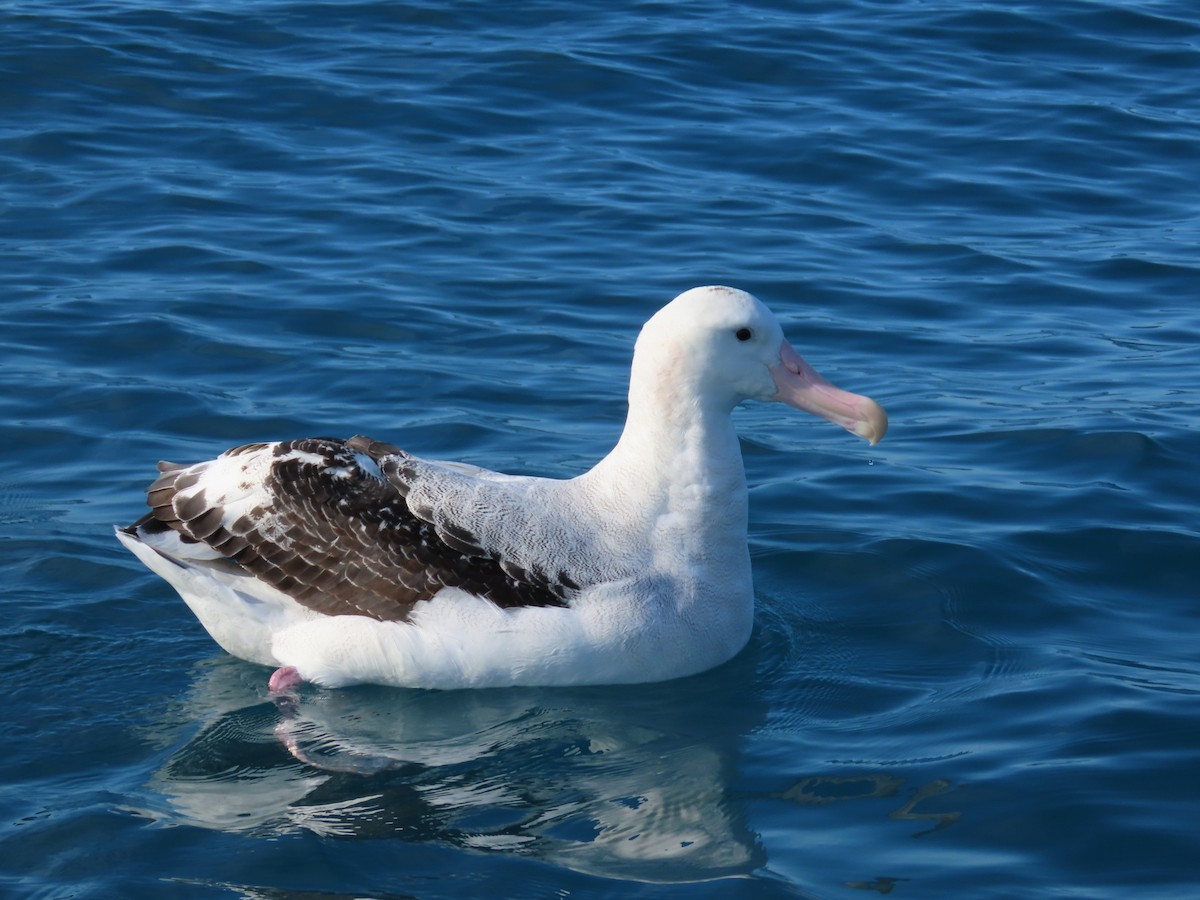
339 537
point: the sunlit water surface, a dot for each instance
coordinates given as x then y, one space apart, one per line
975 671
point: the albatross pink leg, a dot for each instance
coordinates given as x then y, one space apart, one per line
284 680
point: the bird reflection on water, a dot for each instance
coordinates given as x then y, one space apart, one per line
626 783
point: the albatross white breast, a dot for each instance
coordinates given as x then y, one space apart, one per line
350 561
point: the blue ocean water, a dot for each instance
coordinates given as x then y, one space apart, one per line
975 670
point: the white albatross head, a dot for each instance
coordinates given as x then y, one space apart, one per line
724 345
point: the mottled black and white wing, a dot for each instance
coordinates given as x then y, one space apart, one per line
328 522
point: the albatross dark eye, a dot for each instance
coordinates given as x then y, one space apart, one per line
744 334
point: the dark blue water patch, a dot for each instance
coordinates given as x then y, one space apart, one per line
442 225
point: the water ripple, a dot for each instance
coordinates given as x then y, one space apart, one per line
442 224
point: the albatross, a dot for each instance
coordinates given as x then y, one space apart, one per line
342 562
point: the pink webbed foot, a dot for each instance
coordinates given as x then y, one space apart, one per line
285 681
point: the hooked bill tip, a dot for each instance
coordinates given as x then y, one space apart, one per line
873 422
